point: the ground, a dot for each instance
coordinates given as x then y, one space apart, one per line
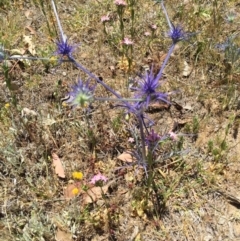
196 194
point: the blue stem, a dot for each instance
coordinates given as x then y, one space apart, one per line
79 66
166 15
114 99
140 121
159 75
64 38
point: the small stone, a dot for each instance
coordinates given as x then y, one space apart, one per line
222 220
236 229
208 237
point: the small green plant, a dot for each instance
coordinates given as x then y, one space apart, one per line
218 148
116 123
4 3
231 52
195 125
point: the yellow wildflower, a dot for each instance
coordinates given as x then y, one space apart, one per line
75 191
7 105
53 60
77 175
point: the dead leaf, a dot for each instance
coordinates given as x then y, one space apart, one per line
188 107
63 235
157 106
28 41
69 191
28 14
100 238
129 176
126 157
17 52
94 193
186 69
31 30
138 237
48 121
27 112
58 165
162 173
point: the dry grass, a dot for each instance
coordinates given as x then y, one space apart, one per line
198 195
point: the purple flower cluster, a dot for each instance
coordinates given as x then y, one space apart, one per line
64 49
177 34
147 90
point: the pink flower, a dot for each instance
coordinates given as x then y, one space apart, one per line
173 135
131 140
98 178
147 34
105 18
127 41
120 3
153 26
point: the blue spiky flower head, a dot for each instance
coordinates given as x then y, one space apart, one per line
64 48
81 94
176 33
147 90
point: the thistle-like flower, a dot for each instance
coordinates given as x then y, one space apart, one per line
81 94
176 33
147 90
64 49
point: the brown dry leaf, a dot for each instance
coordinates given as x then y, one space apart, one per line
69 191
126 157
28 41
27 112
28 14
162 173
157 106
186 69
58 165
138 237
63 236
31 30
129 176
48 121
94 193
17 52
100 238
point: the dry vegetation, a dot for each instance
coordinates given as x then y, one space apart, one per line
197 176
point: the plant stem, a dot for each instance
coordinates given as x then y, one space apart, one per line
159 75
140 121
79 66
63 36
114 99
